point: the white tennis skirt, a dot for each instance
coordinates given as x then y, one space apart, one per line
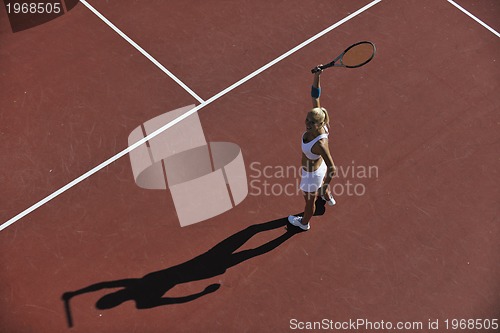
312 181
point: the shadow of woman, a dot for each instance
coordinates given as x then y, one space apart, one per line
148 291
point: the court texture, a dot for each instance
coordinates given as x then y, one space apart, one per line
412 239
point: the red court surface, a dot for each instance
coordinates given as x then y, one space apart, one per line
417 243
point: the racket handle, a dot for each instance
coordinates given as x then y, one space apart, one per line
316 69
320 68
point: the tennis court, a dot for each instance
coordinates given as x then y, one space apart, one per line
412 241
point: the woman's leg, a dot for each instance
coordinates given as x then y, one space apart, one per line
310 181
328 197
310 198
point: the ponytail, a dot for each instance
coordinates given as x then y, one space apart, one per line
326 121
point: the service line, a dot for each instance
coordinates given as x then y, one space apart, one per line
183 116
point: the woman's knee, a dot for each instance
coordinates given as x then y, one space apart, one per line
310 200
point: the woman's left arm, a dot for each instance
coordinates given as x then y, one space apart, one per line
331 168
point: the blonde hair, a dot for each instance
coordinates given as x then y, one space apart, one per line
320 115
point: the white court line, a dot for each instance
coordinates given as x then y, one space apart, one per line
474 18
140 49
182 117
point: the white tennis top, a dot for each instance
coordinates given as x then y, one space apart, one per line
307 146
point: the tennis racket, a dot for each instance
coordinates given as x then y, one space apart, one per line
354 56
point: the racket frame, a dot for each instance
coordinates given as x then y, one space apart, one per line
337 62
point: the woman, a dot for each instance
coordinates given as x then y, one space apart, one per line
318 168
